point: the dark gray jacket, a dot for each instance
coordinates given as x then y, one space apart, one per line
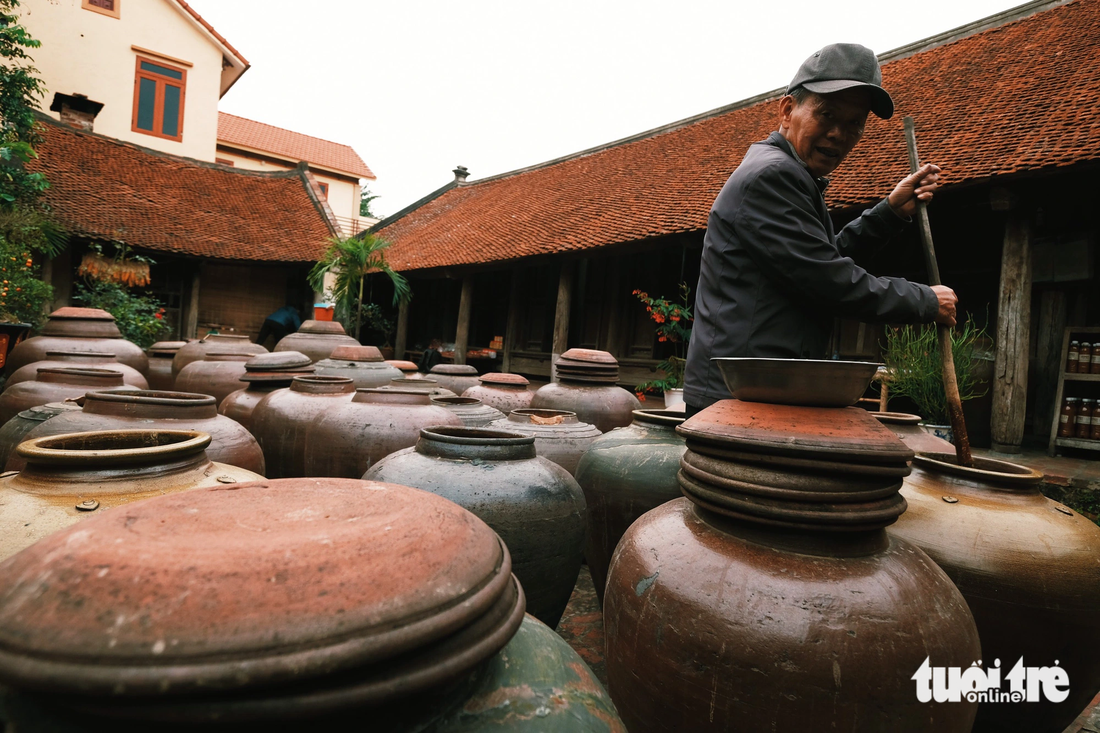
773 275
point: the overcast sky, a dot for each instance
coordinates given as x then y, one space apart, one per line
420 87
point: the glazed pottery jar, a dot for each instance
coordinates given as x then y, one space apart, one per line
624 474
57 385
282 421
506 392
432 387
77 359
587 386
316 339
470 410
533 504
435 641
71 477
160 356
408 368
908 429
1028 568
456 377
14 431
216 374
361 364
219 343
349 439
153 410
772 598
77 329
559 436
263 374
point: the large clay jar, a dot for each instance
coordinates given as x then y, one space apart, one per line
408 368
559 436
316 339
772 598
219 343
907 428
506 392
153 410
351 605
361 364
77 329
534 505
282 422
71 477
456 377
216 374
432 387
14 431
587 386
70 359
160 356
351 438
1028 567
624 474
57 385
470 410
263 374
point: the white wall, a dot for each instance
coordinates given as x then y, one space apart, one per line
89 53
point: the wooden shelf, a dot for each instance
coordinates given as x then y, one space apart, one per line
1063 377
1072 377
1077 443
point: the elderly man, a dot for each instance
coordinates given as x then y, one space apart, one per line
774 274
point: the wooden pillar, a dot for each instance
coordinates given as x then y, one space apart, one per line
401 338
462 333
610 301
1013 336
561 316
511 327
1048 357
191 320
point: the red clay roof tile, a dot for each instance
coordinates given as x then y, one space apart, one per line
235 130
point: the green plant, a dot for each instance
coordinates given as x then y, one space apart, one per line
25 238
140 317
912 354
19 91
351 260
673 321
366 197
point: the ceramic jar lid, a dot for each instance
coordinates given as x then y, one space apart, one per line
225 356
277 361
504 378
356 353
587 365
455 369
167 347
405 366
321 327
79 355
237 587
81 322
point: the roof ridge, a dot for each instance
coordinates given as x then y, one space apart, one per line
287 129
203 22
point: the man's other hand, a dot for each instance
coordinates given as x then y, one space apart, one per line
947 298
915 187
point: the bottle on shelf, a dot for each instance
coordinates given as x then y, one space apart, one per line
1084 357
1072 361
1084 419
1067 420
1095 360
1095 424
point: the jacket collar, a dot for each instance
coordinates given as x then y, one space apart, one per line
776 139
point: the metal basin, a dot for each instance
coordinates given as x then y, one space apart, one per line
807 382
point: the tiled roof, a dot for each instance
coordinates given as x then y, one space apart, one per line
210 28
106 189
234 130
1012 99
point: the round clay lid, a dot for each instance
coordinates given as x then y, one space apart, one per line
356 353
180 593
84 314
589 355
167 347
459 369
321 327
276 361
405 366
897 418
225 356
503 378
842 434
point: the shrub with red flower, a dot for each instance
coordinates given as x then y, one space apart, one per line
673 321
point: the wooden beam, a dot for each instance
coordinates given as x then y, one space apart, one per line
511 328
1013 336
612 301
462 332
1050 332
191 322
401 338
561 314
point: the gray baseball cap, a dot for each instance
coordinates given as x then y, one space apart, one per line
842 66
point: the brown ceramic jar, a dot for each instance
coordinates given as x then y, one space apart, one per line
57 385
1028 568
434 388
470 411
408 368
349 439
624 474
152 410
218 343
559 435
506 392
283 421
160 356
316 339
71 477
909 431
771 598
363 365
587 386
78 359
456 377
14 431
263 374
215 374
78 329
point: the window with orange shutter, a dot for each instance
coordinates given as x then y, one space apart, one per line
158 99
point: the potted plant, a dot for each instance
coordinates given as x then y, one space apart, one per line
350 261
912 357
673 321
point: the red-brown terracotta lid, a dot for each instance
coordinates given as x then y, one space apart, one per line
842 434
459 369
225 356
247 585
503 378
589 355
321 327
81 323
169 347
356 353
277 361
87 314
405 366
